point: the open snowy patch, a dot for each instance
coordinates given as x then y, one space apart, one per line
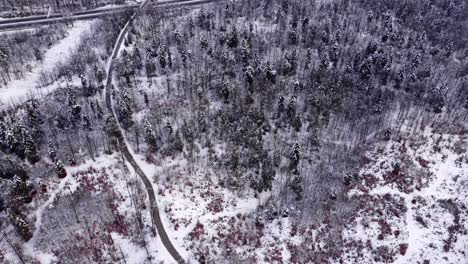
19 90
411 198
211 223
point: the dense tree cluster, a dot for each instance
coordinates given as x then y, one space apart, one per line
296 87
16 138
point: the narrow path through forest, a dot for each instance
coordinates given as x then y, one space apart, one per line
156 218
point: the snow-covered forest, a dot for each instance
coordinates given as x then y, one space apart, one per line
248 131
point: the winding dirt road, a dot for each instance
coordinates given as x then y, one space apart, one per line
125 148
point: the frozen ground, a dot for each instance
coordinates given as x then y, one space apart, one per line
412 213
111 185
415 214
19 90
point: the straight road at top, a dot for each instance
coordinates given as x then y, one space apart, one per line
32 21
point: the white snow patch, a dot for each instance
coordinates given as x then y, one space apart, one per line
19 90
424 225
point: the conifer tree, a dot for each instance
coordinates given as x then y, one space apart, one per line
60 169
51 151
294 159
125 110
30 148
150 137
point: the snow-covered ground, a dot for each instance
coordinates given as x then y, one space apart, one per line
96 180
415 214
58 187
182 206
186 198
412 213
21 89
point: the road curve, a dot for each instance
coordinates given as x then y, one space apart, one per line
32 21
125 148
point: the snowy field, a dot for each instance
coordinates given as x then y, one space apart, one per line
415 211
